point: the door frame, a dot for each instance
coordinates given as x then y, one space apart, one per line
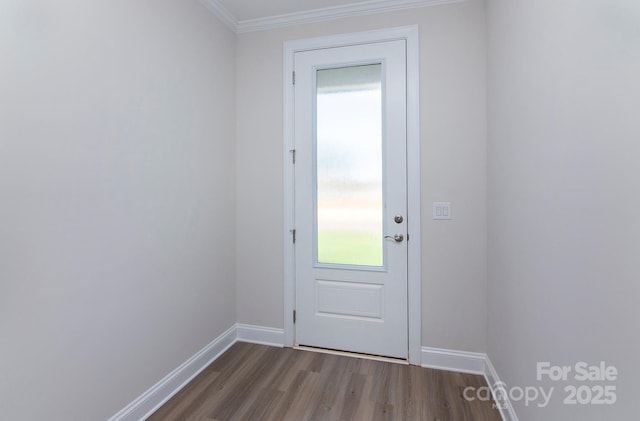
410 35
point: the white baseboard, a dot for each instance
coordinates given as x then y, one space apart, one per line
499 393
460 361
161 392
260 335
472 363
147 403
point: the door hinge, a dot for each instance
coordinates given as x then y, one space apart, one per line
293 235
294 317
293 155
293 77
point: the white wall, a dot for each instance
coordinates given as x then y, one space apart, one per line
117 199
564 183
453 128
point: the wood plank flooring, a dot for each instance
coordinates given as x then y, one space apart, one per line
257 382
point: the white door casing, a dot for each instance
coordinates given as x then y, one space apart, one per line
387 313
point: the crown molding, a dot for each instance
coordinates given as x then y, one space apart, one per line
222 13
316 15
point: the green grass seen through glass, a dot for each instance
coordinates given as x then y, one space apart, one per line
350 248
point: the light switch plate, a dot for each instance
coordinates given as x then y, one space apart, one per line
441 210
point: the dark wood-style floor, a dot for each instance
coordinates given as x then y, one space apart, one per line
256 382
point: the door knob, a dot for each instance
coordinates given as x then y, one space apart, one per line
397 238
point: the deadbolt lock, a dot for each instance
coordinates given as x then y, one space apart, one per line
398 219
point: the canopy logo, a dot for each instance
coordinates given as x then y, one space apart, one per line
588 384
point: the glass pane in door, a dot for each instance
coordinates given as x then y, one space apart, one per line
349 165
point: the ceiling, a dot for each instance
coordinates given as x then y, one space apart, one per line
256 15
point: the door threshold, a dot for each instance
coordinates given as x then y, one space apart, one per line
402 361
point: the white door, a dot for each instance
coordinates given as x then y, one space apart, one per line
351 199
